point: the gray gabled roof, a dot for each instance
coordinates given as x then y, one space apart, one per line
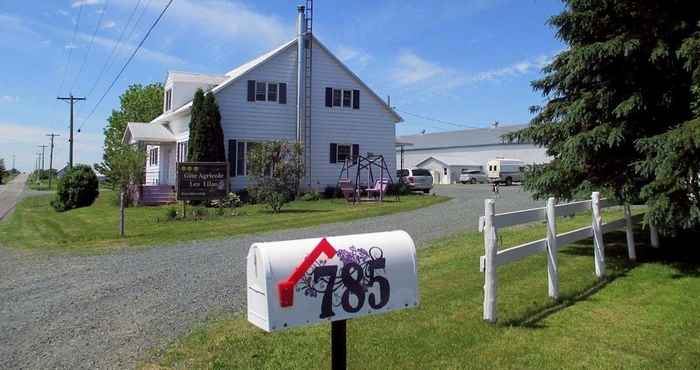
456 139
147 132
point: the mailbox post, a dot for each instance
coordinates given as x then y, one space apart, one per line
302 282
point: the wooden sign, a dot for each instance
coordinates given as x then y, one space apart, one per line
300 282
202 180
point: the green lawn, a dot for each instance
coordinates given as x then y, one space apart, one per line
35 225
643 315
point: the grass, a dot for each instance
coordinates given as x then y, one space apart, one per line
35 225
43 185
643 315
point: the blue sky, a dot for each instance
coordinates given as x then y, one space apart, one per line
468 62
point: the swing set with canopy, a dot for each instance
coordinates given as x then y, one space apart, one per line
372 189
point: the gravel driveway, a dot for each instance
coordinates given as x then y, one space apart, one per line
111 311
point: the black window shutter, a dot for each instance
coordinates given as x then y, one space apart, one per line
356 99
355 151
232 158
251 90
329 97
283 93
334 152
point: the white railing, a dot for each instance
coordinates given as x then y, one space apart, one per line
493 258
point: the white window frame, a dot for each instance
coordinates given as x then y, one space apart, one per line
342 100
182 151
168 99
267 91
276 91
337 152
257 91
153 157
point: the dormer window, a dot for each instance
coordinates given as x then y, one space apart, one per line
168 99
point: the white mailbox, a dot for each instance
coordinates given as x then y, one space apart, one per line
299 282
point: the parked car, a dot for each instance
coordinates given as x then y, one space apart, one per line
472 177
505 171
417 179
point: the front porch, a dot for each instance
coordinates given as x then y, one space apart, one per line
162 151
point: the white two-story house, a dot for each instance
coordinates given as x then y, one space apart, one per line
290 93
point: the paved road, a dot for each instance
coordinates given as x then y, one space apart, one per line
10 194
110 311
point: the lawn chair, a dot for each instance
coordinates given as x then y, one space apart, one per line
348 190
379 189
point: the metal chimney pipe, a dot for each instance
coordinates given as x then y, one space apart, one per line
301 30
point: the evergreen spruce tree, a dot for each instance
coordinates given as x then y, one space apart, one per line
206 135
196 146
216 151
623 108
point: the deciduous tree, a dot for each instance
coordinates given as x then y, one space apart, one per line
137 104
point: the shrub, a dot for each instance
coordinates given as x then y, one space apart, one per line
232 200
276 170
77 188
311 196
399 188
199 213
244 196
330 192
170 214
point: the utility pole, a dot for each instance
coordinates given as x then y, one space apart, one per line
51 135
71 100
13 161
43 150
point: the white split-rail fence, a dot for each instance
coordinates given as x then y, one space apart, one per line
493 258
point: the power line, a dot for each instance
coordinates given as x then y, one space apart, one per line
92 41
70 49
114 81
113 52
439 120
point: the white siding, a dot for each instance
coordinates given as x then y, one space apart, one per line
183 91
261 120
371 126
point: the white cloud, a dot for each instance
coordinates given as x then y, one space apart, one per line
412 69
515 69
9 99
351 55
71 46
127 49
108 24
77 3
62 12
226 20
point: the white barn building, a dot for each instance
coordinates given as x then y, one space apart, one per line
290 93
446 154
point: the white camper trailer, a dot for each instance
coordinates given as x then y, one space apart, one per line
505 171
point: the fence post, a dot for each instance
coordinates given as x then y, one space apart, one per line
654 234
631 251
599 246
552 264
490 250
